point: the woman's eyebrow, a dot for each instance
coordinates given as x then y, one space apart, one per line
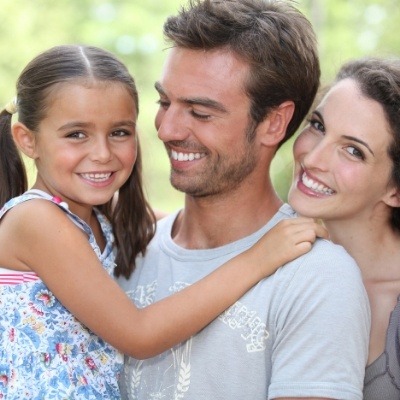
359 141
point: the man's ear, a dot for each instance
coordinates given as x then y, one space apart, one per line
24 138
274 126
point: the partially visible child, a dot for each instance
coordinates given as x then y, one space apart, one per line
63 319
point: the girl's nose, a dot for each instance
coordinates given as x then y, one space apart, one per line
101 151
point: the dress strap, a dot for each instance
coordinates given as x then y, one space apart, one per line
13 277
40 194
54 199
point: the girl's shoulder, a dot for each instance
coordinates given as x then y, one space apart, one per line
29 195
42 210
31 230
45 217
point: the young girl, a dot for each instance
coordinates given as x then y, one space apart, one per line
347 173
63 319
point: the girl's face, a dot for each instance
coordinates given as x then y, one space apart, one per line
342 167
86 145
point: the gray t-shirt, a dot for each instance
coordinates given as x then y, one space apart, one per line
303 332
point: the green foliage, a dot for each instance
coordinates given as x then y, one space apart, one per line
133 31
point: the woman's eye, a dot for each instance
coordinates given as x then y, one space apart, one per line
314 123
354 151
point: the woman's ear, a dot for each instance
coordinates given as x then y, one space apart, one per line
24 138
392 197
274 126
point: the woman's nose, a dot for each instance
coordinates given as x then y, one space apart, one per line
318 157
311 150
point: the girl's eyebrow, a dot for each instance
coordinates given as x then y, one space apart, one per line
74 124
78 124
346 136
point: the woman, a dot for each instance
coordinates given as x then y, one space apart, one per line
347 173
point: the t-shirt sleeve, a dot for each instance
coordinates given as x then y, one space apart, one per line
322 325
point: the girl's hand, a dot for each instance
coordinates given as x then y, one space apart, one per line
286 241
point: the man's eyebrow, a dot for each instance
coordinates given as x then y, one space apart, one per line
201 101
159 88
206 102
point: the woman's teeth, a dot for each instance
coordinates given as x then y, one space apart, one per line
317 187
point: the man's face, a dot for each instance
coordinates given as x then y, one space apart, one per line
203 120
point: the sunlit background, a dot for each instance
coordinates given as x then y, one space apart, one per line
132 29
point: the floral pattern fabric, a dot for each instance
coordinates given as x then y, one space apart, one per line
45 352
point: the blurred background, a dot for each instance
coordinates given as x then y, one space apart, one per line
132 29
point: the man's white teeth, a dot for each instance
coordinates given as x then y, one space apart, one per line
186 156
317 187
98 177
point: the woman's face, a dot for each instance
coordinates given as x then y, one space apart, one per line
342 167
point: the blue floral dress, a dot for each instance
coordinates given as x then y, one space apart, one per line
45 353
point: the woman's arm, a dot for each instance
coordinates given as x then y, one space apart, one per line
61 255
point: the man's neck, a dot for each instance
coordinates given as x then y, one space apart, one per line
214 221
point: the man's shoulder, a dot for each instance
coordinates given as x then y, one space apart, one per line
164 225
325 265
324 253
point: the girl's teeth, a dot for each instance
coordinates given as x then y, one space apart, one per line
97 177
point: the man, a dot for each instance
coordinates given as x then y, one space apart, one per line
238 80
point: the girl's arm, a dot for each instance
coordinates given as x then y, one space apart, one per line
61 255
